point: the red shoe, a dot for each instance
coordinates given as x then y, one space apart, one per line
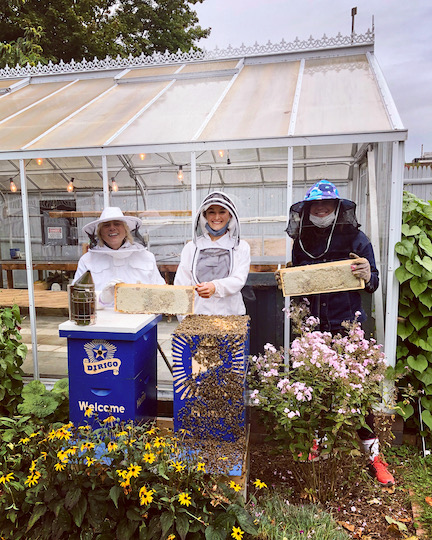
379 470
314 453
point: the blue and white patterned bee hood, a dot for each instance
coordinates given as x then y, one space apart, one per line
322 190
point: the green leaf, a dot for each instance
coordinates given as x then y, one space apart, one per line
425 262
426 403
244 519
427 418
424 310
404 311
417 320
426 299
405 329
414 268
61 524
212 534
405 247
425 345
72 497
425 244
78 511
417 286
125 529
402 274
167 520
405 410
425 377
115 492
410 231
419 363
39 510
182 525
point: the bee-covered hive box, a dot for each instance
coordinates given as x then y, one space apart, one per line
210 364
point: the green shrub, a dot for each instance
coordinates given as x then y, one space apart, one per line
46 406
414 350
12 355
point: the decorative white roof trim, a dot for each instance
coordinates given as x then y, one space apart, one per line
190 56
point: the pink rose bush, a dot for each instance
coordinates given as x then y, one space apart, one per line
321 390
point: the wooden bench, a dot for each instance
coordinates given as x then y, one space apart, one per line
44 300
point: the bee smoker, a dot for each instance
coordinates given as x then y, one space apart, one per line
82 300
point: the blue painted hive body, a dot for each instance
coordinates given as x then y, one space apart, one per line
210 364
112 373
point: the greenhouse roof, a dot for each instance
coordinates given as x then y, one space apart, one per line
323 97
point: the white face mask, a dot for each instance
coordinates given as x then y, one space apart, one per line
323 222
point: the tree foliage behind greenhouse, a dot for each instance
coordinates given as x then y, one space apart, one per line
42 30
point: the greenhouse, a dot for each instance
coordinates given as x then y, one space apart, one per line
154 135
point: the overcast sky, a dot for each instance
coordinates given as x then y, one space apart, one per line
403 42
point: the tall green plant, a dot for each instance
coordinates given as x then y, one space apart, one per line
414 351
12 355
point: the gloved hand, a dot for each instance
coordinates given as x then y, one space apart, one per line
106 296
361 267
278 276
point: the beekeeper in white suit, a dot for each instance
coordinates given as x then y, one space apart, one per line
114 257
216 261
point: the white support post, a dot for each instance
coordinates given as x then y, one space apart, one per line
373 208
288 248
395 226
29 268
105 181
193 190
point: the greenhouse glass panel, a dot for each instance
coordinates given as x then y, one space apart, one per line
29 95
340 95
150 72
8 82
103 118
22 129
258 104
177 115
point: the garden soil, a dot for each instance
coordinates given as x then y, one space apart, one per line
361 506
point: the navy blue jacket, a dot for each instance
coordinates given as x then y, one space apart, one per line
334 308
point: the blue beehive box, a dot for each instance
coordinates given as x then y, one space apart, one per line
112 366
210 364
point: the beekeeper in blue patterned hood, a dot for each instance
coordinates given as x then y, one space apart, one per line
216 261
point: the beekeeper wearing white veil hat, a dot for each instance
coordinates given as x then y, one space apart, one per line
114 257
216 261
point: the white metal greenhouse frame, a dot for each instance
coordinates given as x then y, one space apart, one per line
305 99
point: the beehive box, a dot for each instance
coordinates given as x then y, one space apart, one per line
210 364
320 278
168 299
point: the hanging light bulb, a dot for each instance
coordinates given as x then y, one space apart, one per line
228 159
39 161
221 153
13 187
114 185
180 172
142 156
70 186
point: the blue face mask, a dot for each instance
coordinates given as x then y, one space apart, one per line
221 232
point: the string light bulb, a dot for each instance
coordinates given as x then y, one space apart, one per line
142 157
114 185
39 161
70 186
180 172
228 159
13 187
221 153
